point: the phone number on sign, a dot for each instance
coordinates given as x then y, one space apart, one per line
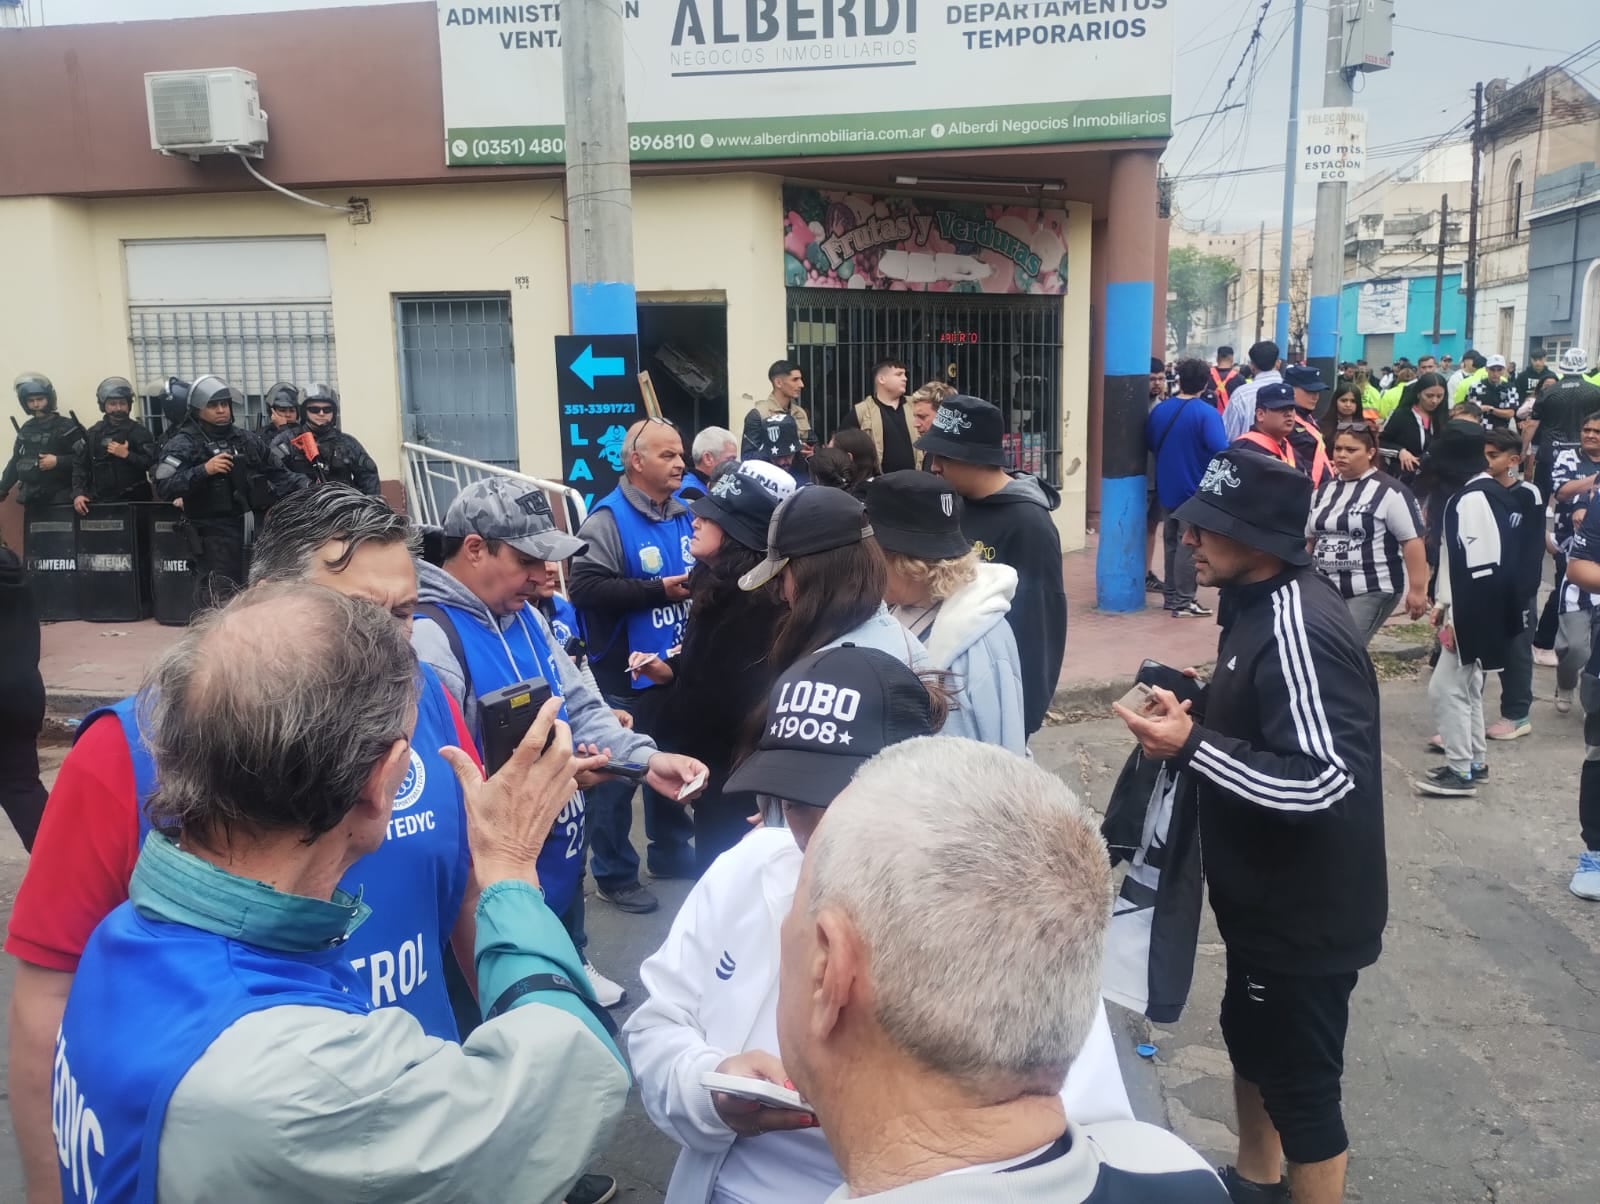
662 142
502 148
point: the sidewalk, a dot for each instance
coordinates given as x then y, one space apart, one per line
1104 651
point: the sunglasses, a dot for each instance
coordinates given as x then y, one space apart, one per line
319 409
648 422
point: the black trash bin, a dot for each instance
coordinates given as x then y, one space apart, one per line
49 544
110 559
171 574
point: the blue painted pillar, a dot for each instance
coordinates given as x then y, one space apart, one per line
604 307
1129 310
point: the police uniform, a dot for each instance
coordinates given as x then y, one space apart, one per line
44 434
102 477
338 456
219 511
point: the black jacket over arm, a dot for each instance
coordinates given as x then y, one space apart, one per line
1290 781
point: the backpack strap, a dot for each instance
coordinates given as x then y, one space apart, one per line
432 610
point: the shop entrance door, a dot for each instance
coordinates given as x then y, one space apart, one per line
1004 349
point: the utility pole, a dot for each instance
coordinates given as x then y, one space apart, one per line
1472 213
1289 167
1438 272
599 184
1327 256
1261 281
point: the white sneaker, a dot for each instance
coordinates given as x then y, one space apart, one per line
607 994
1563 701
1586 881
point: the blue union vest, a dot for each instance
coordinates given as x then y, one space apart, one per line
413 883
148 999
564 621
653 550
494 663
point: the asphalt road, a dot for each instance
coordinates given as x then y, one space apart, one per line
1470 1065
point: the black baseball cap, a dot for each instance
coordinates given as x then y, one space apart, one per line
1304 377
1258 500
916 514
966 429
741 499
832 712
813 519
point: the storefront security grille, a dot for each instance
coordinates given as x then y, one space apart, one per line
252 348
1004 349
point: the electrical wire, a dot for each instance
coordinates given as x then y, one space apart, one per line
1255 38
293 196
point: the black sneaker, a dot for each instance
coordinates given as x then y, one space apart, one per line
1480 773
635 899
1152 584
592 1189
1444 782
1246 1191
1192 610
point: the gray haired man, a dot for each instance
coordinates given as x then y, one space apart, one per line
231 947
933 1096
713 446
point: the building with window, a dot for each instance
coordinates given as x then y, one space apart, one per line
1564 262
1540 127
772 219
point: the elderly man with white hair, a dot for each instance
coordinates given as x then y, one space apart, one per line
941 970
712 447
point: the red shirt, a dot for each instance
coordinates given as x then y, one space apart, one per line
88 842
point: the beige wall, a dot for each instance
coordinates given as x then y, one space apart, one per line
695 238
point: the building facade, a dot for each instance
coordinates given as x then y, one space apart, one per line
988 248
1564 262
1383 320
1532 130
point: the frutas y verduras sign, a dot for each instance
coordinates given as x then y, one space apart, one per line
750 79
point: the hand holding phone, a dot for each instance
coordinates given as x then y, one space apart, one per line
751 1094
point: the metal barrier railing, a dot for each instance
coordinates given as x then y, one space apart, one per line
434 477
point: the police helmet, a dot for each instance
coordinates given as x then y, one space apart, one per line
283 396
111 389
320 392
209 389
173 401
34 384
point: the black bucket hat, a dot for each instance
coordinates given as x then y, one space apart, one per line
916 514
967 429
1255 499
741 499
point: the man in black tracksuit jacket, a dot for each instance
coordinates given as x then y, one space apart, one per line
1288 766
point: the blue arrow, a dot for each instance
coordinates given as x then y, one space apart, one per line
588 366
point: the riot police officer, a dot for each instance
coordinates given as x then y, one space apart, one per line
319 451
283 410
48 445
173 404
225 479
119 452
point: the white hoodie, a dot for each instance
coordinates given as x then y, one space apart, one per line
971 638
714 982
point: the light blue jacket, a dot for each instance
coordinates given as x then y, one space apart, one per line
971 638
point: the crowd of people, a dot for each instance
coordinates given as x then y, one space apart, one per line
341 835
302 848
1431 490
223 475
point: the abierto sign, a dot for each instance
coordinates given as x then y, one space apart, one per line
736 79
1333 146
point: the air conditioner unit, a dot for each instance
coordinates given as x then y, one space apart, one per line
214 111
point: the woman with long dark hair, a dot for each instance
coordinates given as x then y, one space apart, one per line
832 573
1415 419
1345 407
863 453
720 676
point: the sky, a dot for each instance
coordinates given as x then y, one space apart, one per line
1428 89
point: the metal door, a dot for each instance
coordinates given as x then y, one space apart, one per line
1004 349
457 384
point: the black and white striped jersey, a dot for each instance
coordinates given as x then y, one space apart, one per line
1359 527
